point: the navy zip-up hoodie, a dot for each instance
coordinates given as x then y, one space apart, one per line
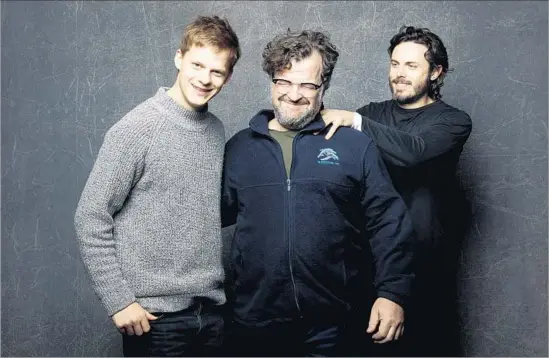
304 246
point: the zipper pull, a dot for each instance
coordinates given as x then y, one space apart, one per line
288 182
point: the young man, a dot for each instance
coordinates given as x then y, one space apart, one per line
148 218
315 220
421 138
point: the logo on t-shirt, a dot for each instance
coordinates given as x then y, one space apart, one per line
328 156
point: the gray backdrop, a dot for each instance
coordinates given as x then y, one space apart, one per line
72 69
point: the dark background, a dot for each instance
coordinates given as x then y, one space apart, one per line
72 69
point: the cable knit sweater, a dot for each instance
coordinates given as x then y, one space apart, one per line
148 220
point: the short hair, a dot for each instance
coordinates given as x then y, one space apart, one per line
213 31
435 55
284 48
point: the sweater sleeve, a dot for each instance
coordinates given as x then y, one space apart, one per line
403 149
118 167
389 228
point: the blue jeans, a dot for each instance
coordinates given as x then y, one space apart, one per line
294 339
195 331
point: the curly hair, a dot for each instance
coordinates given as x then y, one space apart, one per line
436 53
284 48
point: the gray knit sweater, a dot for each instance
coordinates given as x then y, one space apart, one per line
148 220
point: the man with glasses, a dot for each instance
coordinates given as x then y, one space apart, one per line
316 222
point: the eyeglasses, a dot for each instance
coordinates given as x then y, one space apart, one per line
306 89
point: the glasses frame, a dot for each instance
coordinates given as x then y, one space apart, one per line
300 87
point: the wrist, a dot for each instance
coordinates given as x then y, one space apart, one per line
357 121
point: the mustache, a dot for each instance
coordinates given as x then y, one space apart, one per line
287 99
400 80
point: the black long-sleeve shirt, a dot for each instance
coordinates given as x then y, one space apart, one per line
421 148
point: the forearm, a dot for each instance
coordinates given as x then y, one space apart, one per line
398 147
406 149
94 229
390 231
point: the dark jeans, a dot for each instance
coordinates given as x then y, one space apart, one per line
285 339
196 331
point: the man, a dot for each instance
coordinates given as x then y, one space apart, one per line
314 220
421 138
148 218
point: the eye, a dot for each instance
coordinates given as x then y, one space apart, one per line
282 83
309 86
394 64
217 74
196 65
412 66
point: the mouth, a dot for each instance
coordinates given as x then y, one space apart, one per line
202 91
301 102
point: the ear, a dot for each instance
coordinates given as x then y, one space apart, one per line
178 59
435 73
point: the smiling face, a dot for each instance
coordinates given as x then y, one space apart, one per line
295 106
203 71
410 75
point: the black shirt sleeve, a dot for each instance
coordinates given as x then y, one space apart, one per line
389 229
407 150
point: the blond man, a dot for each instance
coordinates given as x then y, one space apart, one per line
148 218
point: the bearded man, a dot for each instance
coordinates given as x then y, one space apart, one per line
317 221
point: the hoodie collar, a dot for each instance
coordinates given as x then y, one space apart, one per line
260 122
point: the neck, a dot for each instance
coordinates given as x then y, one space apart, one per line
276 126
422 102
175 93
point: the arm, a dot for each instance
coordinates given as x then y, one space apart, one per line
229 207
407 150
117 168
391 239
390 229
401 148
229 212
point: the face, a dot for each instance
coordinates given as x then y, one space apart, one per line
409 75
295 105
203 71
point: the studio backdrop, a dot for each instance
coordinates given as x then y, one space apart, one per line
71 69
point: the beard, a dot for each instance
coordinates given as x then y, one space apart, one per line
295 122
418 91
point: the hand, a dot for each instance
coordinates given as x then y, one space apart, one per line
337 118
389 316
133 320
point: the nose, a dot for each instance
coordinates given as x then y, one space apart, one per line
204 77
400 72
293 94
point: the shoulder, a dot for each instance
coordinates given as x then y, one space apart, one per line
453 114
351 138
239 139
372 108
137 125
216 125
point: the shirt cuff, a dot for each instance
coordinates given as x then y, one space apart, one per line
357 122
392 297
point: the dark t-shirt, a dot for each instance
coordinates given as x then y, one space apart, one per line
421 148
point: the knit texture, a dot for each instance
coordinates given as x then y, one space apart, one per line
148 220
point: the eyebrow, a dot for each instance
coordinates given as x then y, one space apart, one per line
213 69
408 62
284 79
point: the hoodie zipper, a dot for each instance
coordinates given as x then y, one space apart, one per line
288 216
